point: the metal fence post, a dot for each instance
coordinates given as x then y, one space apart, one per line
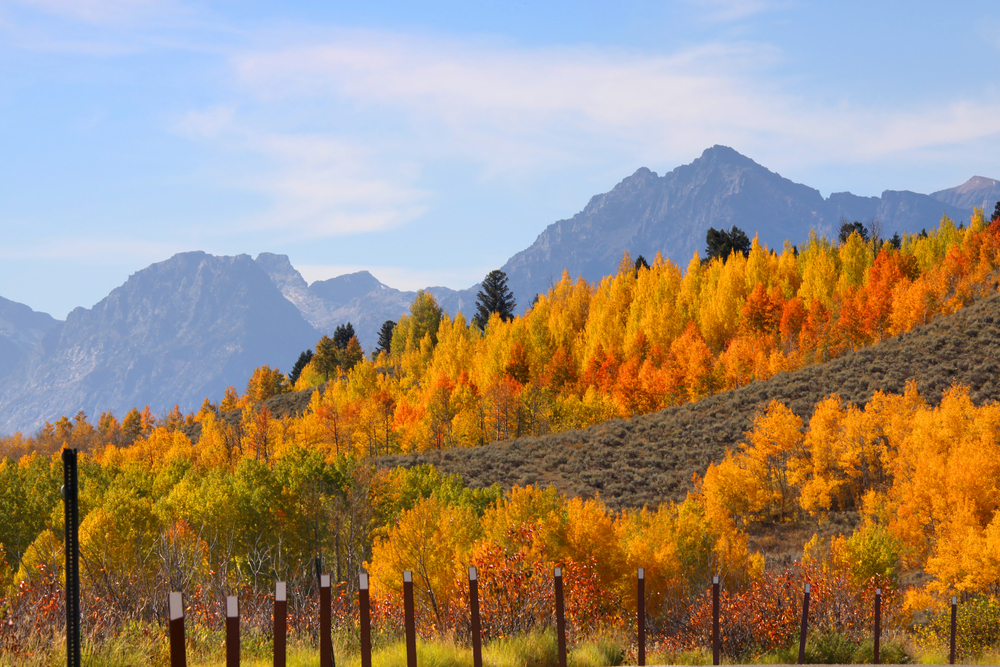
409 620
325 641
640 610
560 617
954 628
364 605
280 624
70 493
715 620
878 625
232 631
805 622
477 640
178 656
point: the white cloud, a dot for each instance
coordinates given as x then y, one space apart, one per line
512 107
318 185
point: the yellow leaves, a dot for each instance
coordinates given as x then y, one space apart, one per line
433 541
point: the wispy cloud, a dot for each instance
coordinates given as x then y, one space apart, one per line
319 185
570 100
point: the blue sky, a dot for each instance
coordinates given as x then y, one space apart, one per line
428 142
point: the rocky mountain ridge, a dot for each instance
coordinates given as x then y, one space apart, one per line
186 328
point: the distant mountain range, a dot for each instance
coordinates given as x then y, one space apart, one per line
186 328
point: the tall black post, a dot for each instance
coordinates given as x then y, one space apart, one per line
805 626
560 617
715 620
954 629
878 626
477 639
409 619
640 607
70 493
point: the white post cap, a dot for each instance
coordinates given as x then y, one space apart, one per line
324 581
407 576
878 591
232 608
642 573
807 588
176 606
715 579
954 599
363 581
472 573
280 592
558 571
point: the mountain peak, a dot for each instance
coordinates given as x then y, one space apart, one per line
977 191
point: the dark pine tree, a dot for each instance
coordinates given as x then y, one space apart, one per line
495 297
342 335
303 360
848 228
640 263
996 212
721 243
385 337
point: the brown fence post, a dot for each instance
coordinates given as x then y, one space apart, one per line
954 629
364 607
715 620
232 631
477 639
640 610
71 501
878 624
325 640
178 657
409 620
280 624
805 623
560 617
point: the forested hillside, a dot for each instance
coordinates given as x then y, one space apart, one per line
852 377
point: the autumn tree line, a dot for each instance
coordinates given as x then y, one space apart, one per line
255 497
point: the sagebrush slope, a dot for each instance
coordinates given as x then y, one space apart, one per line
651 458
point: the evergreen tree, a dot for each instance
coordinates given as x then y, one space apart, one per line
640 263
996 212
848 228
495 297
342 335
721 243
302 362
385 337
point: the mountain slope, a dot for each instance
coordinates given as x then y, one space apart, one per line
176 332
977 191
359 298
650 459
671 214
21 329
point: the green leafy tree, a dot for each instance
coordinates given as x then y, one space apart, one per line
327 357
721 243
352 354
425 315
494 297
300 364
